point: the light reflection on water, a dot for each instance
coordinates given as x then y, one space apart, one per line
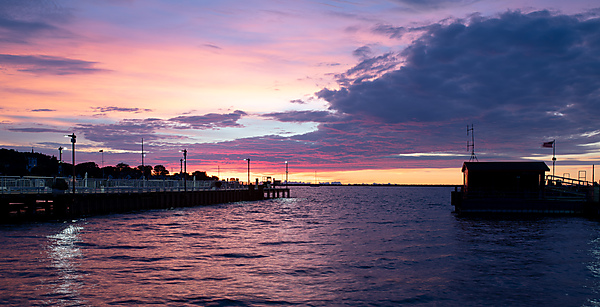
63 253
326 246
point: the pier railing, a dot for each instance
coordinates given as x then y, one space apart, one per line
41 185
565 181
565 188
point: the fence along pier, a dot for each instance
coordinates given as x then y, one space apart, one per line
38 199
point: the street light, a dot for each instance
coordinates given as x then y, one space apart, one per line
102 152
248 170
73 137
143 168
286 173
60 149
184 170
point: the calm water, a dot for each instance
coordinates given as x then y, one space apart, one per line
383 246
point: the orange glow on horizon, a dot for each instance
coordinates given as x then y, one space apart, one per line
450 176
369 176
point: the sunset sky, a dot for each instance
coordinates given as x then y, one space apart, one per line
351 91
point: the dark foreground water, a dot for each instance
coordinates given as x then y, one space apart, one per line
327 246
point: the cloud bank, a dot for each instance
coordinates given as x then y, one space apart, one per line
516 72
528 63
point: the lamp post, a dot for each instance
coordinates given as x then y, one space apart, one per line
143 167
286 173
248 170
73 137
102 152
553 155
184 170
60 149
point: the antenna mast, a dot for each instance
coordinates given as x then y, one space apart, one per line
471 144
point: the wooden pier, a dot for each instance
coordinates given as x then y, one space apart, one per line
59 206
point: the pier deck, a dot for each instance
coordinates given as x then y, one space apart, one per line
40 202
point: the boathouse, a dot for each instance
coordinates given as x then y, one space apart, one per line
522 187
504 179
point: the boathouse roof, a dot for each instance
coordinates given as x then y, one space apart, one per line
505 166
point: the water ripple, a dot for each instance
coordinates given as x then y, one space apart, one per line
328 246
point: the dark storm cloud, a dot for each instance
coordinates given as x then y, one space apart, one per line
48 65
515 67
304 116
522 78
210 121
119 109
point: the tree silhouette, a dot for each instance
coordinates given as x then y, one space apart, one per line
160 170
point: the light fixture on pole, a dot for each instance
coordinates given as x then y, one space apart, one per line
73 140
102 152
286 173
184 170
143 168
60 149
248 170
553 155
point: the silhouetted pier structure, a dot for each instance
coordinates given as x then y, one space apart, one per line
523 188
36 198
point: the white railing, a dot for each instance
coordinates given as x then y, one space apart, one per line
27 185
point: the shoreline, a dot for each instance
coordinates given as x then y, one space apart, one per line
370 185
